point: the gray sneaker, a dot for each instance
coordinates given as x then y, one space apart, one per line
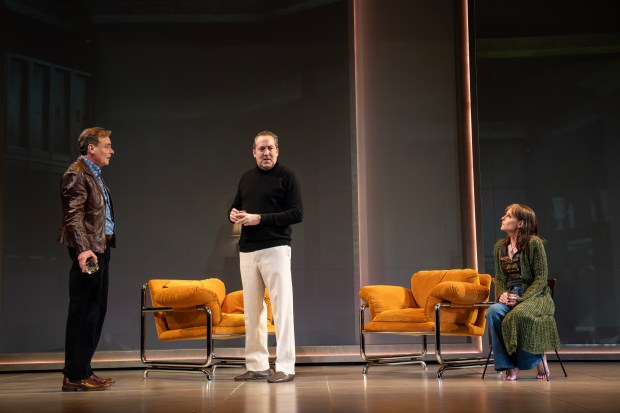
254 375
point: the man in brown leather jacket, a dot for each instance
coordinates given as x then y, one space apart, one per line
87 229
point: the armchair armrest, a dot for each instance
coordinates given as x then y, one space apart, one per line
185 297
458 293
386 297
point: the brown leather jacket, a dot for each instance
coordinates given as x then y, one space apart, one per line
83 221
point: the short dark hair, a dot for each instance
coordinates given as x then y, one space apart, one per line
91 135
267 133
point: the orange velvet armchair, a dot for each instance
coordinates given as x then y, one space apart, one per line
194 310
439 303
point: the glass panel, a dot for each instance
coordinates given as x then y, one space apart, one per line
16 104
409 183
79 109
548 139
61 113
39 114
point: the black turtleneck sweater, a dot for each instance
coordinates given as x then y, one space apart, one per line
275 195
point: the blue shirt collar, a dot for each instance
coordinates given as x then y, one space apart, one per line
96 170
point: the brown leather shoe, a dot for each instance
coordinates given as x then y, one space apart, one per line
280 377
108 380
83 385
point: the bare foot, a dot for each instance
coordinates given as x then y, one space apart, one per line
511 375
543 369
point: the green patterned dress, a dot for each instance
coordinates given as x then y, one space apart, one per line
530 325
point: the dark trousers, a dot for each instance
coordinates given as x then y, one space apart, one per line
88 301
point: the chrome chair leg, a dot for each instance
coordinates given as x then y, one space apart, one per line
487 363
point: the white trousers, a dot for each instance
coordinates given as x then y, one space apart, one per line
268 268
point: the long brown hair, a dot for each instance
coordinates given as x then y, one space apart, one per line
530 224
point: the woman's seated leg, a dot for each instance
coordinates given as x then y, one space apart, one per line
543 369
528 361
511 375
495 314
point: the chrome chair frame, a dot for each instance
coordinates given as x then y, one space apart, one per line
207 367
417 358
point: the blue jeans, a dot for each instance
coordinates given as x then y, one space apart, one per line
503 361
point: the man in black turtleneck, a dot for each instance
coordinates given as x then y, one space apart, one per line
267 203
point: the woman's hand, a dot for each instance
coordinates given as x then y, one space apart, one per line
509 299
512 300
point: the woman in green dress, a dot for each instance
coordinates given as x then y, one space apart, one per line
521 323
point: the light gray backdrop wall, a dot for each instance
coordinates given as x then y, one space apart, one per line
411 201
184 102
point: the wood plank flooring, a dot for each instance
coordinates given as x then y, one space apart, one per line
590 387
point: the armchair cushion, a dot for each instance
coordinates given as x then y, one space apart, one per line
423 282
186 322
399 309
233 304
406 315
187 294
232 320
382 298
190 293
459 294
